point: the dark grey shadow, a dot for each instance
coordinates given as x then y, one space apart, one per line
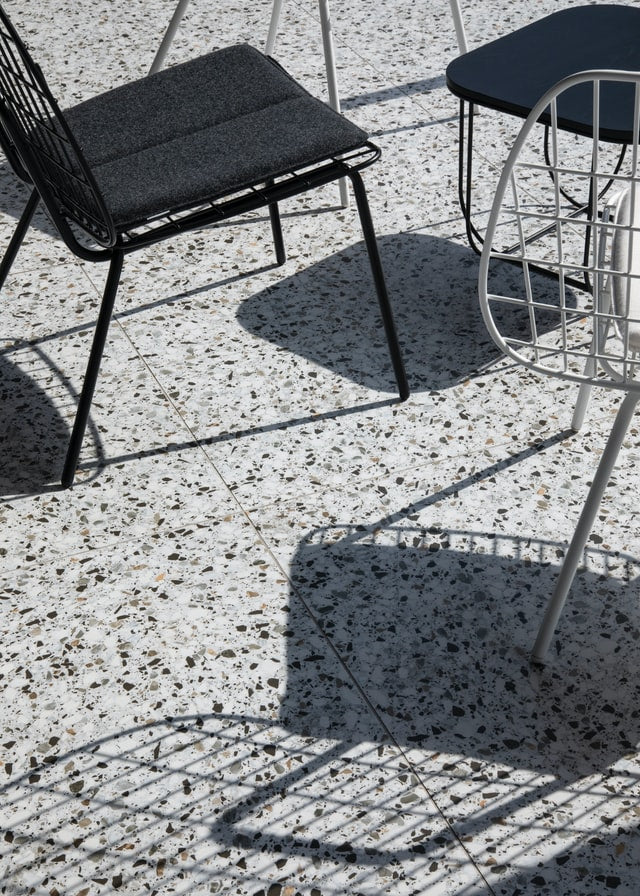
435 636
328 312
441 638
438 638
385 94
33 435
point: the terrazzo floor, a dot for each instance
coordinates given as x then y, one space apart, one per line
275 640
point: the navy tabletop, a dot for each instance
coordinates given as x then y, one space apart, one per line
512 73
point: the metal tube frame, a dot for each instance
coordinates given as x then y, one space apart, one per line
267 196
379 280
18 236
93 368
585 524
465 199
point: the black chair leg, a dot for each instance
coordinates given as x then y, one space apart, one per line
381 288
276 230
18 236
93 367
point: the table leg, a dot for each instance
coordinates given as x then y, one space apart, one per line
465 175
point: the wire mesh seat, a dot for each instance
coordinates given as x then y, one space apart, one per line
189 146
581 324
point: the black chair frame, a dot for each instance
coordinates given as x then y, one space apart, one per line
465 187
42 150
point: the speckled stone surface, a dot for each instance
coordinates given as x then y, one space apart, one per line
275 640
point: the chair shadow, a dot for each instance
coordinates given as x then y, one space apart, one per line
432 283
428 630
435 638
33 435
328 313
438 636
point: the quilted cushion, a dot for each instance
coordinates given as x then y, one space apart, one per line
196 131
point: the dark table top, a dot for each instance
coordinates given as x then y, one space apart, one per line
512 73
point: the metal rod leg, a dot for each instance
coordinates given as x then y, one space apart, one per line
381 288
276 230
93 367
584 393
163 49
18 236
332 78
585 523
273 27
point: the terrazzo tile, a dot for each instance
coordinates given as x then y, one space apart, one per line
114 781
510 488
434 609
257 467
449 349
188 805
140 465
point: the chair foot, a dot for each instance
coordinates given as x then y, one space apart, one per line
276 230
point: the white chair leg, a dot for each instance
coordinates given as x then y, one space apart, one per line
332 78
163 49
585 524
603 299
329 64
584 393
580 409
276 10
458 24
273 27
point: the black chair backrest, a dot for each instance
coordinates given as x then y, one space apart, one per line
40 147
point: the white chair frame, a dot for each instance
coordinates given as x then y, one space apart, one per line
458 24
607 359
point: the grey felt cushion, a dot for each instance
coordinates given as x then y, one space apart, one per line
196 131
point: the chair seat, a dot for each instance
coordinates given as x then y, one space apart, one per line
163 142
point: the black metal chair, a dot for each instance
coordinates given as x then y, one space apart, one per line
223 134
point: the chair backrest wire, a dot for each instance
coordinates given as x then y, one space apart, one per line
40 147
562 325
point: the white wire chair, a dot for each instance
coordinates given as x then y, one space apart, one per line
583 323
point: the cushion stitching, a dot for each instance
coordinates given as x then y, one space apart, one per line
200 130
